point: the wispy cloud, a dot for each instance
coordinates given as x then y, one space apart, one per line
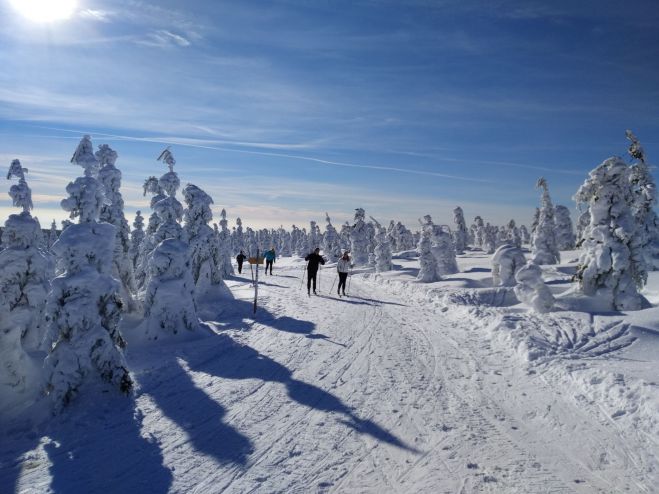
164 39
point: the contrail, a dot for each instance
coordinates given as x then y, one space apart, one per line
174 141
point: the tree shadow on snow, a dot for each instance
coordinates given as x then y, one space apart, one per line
238 361
196 413
96 446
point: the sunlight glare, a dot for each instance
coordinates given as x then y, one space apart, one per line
45 10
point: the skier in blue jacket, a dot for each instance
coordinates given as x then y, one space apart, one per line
270 257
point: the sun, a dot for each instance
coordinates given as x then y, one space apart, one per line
45 10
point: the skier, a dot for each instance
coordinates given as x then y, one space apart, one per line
343 268
314 259
240 258
270 257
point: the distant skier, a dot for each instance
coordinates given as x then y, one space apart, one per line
270 257
240 258
343 268
312 268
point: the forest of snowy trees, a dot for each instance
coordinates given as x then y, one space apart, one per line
65 291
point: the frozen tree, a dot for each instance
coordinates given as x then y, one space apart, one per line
428 272
359 240
24 284
544 249
224 245
238 239
645 199
532 290
525 235
582 225
370 229
84 307
565 239
52 234
331 243
285 249
513 234
136 237
113 212
441 246
534 223
506 261
251 242
151 186
479 232
489 239
460 234
205 256
169 301
612 266
382 249
344 236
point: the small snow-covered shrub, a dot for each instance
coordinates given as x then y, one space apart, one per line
506 261
532 290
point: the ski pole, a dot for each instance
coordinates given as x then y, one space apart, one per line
349 279
320 268
332 289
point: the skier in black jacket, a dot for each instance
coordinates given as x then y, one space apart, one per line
240 258
312 268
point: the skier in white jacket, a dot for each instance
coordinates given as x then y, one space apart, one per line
343 267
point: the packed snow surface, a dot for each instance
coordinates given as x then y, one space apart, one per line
402 386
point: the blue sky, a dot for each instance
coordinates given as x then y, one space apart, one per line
286 109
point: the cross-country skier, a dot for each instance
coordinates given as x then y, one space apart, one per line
240 258
314 259
343 268
270 257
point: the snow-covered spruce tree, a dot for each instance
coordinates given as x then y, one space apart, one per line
544 249
151 186
382 249
359 239
331 243
169 300
136 238
582 226
285 249
344 236
370 228
224 245
489 239
113 212
524 233
205 256
612 266
460 234
441 246
645 199
513 234
532 290
52 234
251 244
238 237
506 261
534 223
406 240
392 236
84 307
565 239
24 283
428 272
479 232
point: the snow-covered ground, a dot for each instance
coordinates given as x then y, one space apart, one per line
401 387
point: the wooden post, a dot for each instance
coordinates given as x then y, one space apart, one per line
256 281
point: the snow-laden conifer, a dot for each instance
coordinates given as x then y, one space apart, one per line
460 235
331 242
582 226
225 246
441 246
52 234
644 192
506 261
205 256
479 232
238 237
24 284
544 249
565 239
359 241
612 266
84 307
113 212
136 238
382 249
428 272
525 235
532 290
